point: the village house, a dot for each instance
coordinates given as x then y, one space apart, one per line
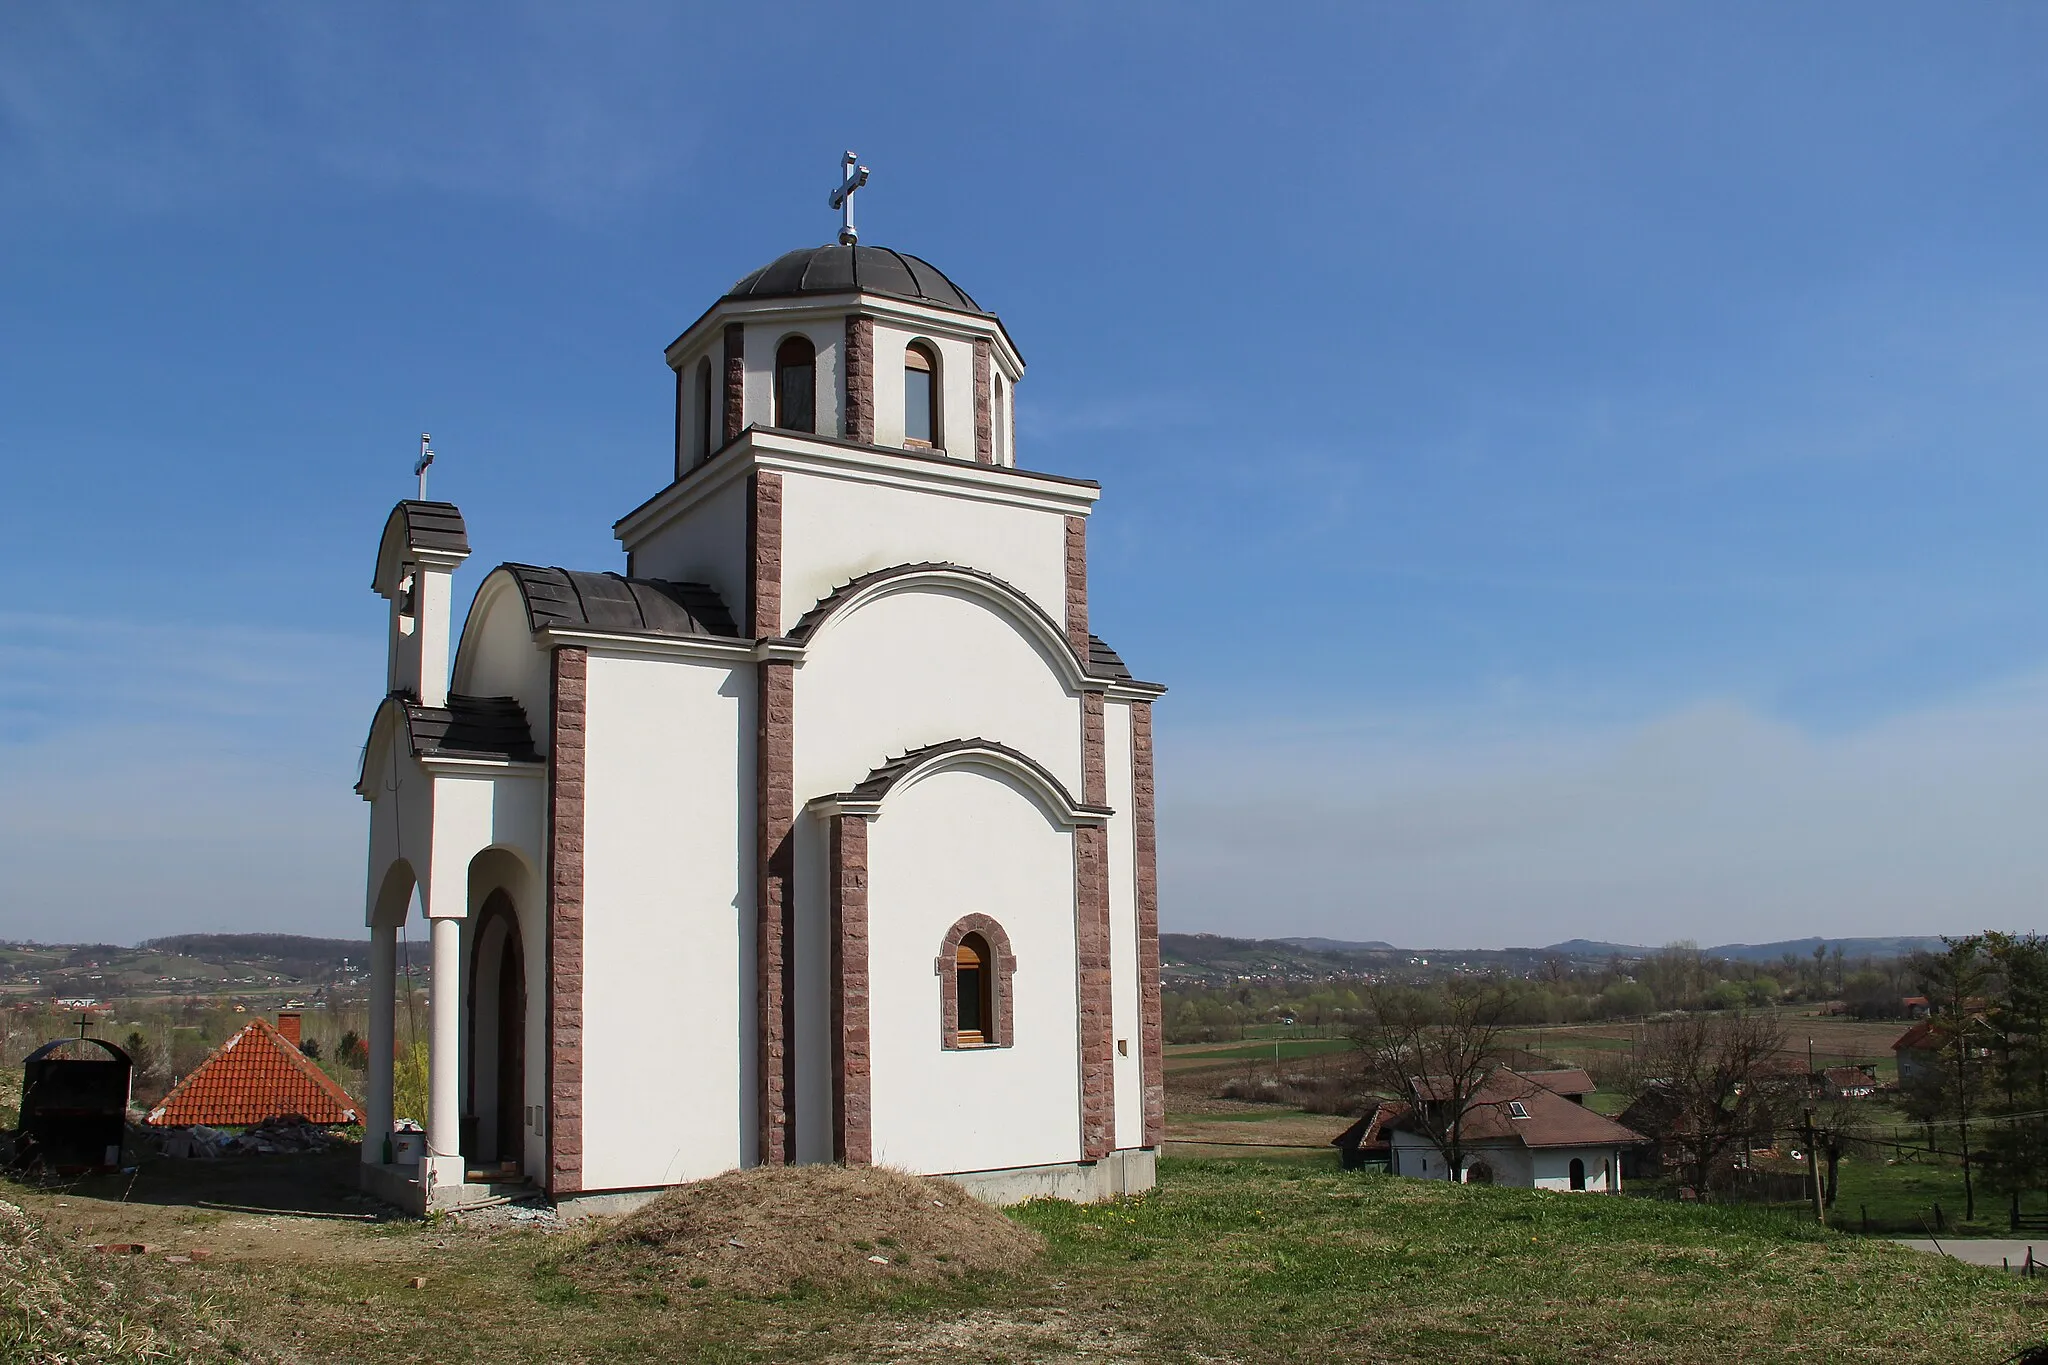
1518 1131
1926 1048
1845 1082
823 831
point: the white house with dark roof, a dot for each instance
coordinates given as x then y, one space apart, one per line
1527 1129
823 832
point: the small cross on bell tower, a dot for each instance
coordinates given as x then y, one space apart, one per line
842 198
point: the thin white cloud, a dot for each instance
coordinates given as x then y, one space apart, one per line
1711 823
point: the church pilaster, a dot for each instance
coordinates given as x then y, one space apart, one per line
860 378
735 381
852 1080
984 404
775 816
1151 1035
1077 587
571 671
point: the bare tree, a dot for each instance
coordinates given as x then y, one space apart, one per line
1436 1051
1840 1127
1955 982
1715 1081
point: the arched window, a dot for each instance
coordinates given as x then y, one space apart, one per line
1479 1173
974 968
920 396
796 385
706 440
1578 1174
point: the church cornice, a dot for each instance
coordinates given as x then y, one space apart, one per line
866 797
766 448
917 316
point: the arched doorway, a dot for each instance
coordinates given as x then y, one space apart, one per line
1578 1174
1479 1173
497 1033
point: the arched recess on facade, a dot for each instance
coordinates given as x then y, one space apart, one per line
991 757
1003 598
503 990
995 965
498 999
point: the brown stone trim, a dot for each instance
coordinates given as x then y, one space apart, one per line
949 982
568 694
853 1129
775 778
984 416
735 380
1094 768
1151 1036
1077 588
860 378
1092 970
764 553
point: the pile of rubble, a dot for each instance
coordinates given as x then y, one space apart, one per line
269 1138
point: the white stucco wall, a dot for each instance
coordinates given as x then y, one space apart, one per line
828 340
706 543
1123 928
668 912
1516 1166
1552 1167
498 657
955 388
835 529
931 853
919 667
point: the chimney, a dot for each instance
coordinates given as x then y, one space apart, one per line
288 1025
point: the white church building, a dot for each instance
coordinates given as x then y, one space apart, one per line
823 832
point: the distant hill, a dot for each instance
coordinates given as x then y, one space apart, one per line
1898 946
236 948
1338 945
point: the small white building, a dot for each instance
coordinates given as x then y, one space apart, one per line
1518 1131
822 832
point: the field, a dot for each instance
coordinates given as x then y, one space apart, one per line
1247 1261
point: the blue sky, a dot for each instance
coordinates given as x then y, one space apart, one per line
1578 466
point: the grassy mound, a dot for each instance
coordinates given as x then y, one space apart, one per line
769 1230
58 1304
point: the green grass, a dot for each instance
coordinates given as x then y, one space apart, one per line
1901 1199
1249 1261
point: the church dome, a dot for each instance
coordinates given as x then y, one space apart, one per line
848 269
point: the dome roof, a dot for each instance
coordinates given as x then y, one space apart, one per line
846 269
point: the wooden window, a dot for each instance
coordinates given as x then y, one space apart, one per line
920 396
976 968
796 385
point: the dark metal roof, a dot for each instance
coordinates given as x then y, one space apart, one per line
434 525
1105 662
876 784
483 727
609 601
848 269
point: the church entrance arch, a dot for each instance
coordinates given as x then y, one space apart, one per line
497 1032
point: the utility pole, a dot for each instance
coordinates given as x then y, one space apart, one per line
1820 1208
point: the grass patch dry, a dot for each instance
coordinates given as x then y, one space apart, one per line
766 1232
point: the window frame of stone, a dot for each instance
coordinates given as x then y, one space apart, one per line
803 376
998 997
929 354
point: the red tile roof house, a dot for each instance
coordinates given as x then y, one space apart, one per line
1846 1082
1920 1048
1519 1131
258 1074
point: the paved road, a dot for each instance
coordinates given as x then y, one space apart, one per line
1986 1250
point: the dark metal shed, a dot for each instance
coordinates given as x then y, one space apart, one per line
74 1110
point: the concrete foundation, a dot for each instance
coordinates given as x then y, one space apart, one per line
1132 1171
402 1188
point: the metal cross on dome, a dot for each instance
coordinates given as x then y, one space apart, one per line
842 198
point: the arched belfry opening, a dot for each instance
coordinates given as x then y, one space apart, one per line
497 1033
